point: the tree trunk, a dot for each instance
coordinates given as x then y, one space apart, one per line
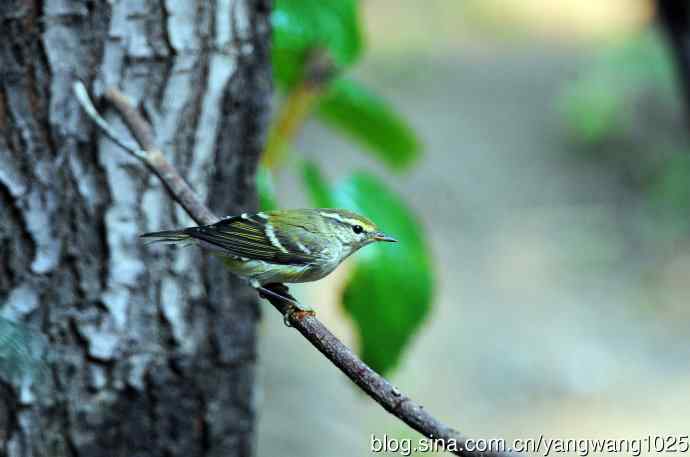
153 349
674 17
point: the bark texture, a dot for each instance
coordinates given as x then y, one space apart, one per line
153 349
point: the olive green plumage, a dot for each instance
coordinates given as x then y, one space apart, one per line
297 245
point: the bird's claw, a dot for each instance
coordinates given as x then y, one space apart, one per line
295 313
295 309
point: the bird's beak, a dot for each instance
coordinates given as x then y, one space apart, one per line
383 237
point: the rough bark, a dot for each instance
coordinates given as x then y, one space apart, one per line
153 350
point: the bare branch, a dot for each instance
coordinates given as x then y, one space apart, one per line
84 100
137 124
149 153
373 384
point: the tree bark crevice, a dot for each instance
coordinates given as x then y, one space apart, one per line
154 352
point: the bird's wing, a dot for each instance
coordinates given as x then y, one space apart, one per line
251 237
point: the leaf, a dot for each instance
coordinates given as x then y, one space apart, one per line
303 25
264 187
364 116
389 292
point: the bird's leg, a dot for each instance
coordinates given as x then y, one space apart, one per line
281 292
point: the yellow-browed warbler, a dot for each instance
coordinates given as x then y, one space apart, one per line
295 245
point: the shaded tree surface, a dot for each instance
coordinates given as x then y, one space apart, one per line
675 20
152 351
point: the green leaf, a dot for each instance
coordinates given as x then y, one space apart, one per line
364 116
389 292
302 25
264 187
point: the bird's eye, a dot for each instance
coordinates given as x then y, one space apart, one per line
357 229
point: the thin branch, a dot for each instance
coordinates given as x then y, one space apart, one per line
149 154
84 100
319 71
140 128
375 385
291 116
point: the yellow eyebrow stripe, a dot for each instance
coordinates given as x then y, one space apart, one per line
347 220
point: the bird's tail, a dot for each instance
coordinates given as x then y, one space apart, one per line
167 237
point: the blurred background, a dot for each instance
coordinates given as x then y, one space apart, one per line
553 190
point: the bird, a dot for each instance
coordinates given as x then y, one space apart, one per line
281 246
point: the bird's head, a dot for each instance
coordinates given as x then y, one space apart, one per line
353 230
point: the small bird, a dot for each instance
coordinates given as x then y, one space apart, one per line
286 246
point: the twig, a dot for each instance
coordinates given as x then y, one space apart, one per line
149 154
319 71
376 386
84 100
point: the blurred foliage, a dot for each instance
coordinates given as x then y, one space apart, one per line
627 109
363 115
265 189
669 197
302 26
389 293
299 26
600 102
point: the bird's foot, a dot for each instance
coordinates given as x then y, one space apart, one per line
294 313
294 310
